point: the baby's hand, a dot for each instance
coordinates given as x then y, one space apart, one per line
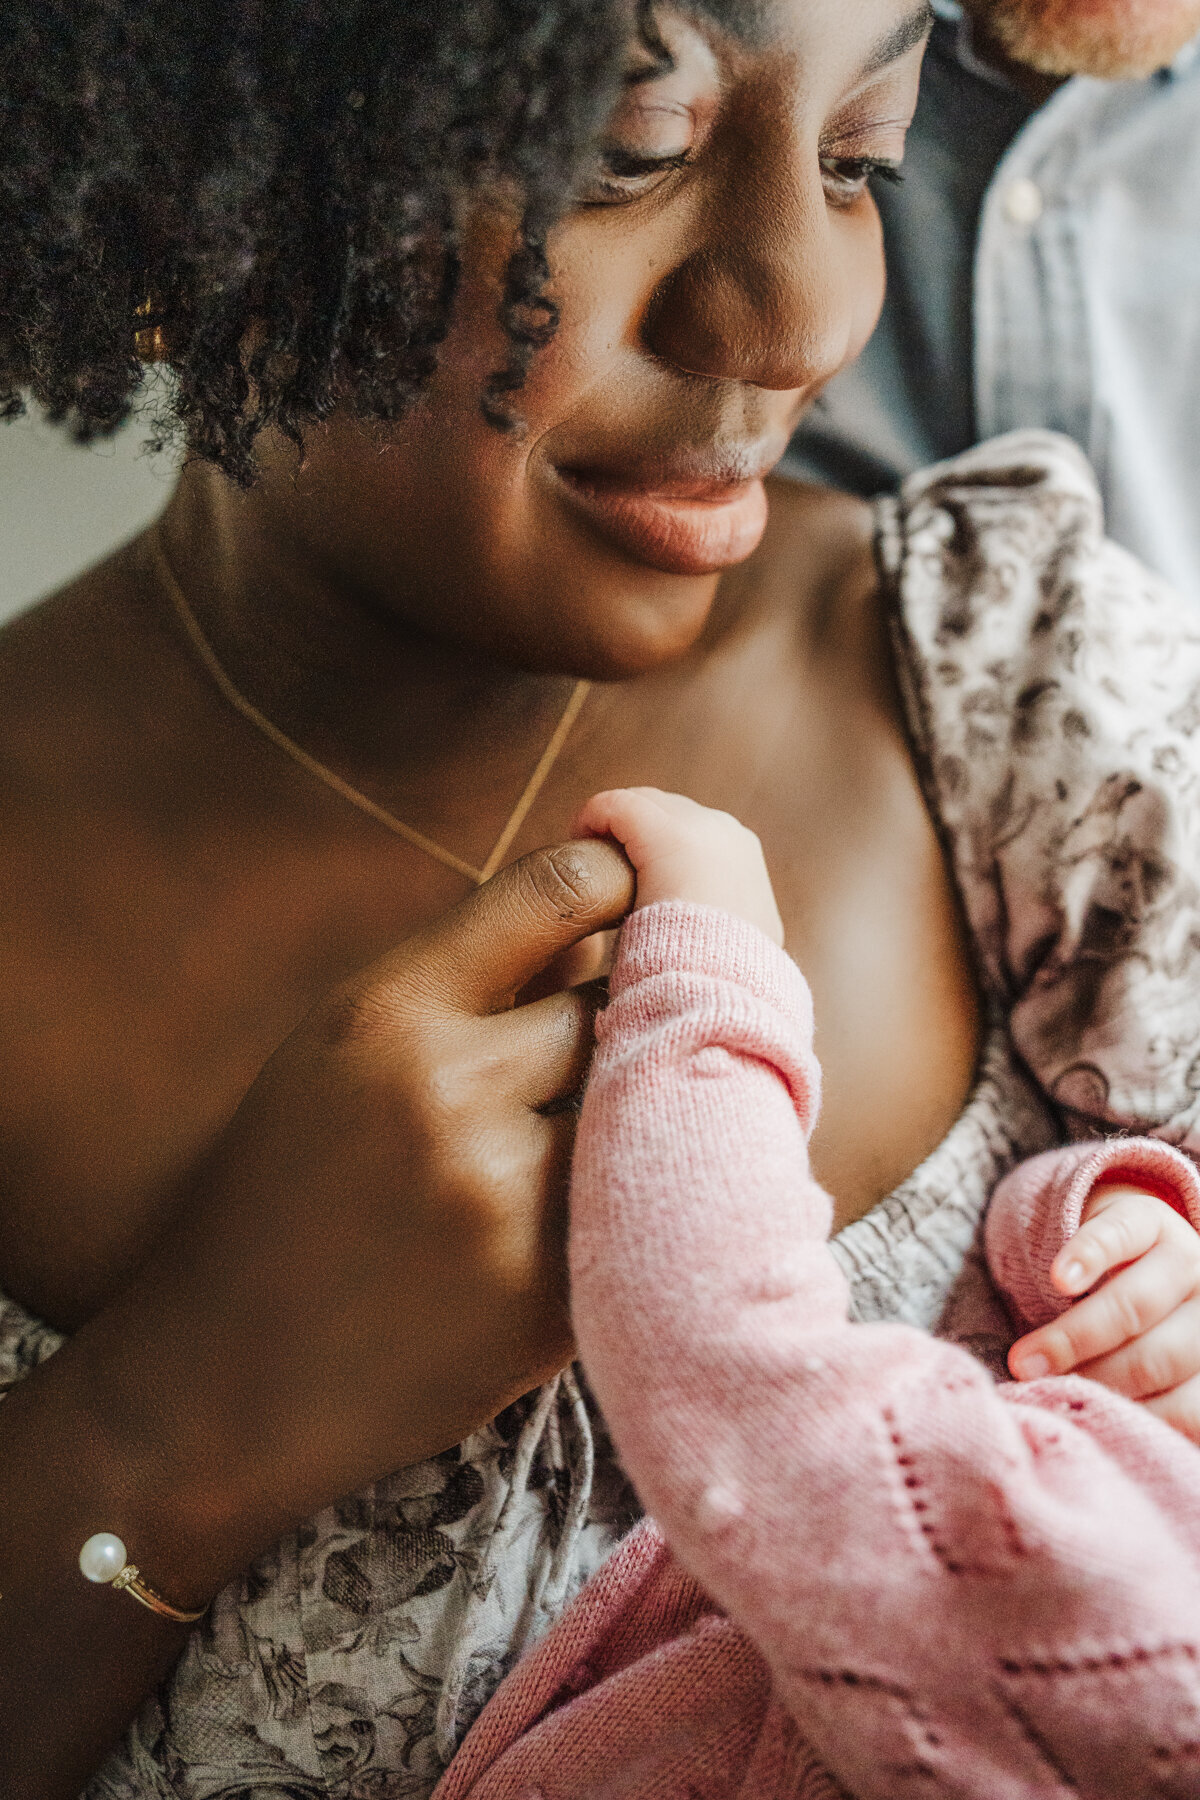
684 851
1139 1333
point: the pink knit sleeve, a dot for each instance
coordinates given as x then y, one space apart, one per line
1038 1208
959 1588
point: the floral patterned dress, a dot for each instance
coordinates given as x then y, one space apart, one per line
1053 697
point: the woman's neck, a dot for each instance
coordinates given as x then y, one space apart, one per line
420 724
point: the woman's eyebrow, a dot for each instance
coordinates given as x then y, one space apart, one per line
901 40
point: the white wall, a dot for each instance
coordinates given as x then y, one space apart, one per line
63 507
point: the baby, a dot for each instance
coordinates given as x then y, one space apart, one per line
1139 1332
870 1571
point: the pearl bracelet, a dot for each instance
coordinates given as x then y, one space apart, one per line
103 1559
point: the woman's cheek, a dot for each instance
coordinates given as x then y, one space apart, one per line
602 284
866 280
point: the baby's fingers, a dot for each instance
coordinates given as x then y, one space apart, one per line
1126 1307
1160 1360
1180 1408
1121 1224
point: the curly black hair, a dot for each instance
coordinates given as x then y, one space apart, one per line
274 189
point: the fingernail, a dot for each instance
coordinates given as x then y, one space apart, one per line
1074 1274
1032 1368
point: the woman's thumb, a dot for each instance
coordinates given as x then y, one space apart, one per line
487 948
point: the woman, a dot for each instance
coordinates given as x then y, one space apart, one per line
280 1161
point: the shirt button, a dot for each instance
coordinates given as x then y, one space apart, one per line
1024 202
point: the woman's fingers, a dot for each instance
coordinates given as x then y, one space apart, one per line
1126 1307
490 946
1121 1223
1160 1359
590 960
543 1049
478 956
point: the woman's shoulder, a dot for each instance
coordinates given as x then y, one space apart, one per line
69 667
1052 685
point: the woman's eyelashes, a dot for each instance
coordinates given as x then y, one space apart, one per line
861 148
648 143
847 178
664 126
625 175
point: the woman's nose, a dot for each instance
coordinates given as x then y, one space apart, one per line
770 300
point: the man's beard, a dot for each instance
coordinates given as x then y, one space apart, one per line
1113 39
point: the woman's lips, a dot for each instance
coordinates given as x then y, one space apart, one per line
688 527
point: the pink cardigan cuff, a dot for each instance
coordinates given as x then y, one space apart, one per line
674 937
1039 1206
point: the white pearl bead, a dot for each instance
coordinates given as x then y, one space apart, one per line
102 1557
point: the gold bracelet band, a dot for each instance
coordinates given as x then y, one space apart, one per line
130 1582
103 1559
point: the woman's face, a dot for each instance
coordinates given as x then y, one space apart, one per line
724 261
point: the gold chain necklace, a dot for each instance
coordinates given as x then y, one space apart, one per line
533 787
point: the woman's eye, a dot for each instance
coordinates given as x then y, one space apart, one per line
848 177
623 175
646 143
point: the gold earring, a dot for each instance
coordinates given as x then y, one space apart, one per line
149 342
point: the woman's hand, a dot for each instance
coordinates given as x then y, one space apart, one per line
375 1262
372 1265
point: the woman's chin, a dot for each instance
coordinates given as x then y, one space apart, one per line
648 645
596 610
625 633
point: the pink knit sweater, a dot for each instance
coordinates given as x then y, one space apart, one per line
874 1573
